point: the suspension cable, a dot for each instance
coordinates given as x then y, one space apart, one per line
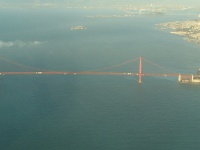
21 65
34 68
157 65
115 66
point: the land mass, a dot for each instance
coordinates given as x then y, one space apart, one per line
189 29
78 28
111 16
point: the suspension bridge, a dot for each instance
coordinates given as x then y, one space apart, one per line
101 71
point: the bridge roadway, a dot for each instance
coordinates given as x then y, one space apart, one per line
87 73
65 73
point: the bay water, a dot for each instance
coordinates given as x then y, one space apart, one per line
94 112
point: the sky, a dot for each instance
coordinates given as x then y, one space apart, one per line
180 2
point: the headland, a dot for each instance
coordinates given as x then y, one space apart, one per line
189 29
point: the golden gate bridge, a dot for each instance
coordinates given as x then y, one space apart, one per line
101 71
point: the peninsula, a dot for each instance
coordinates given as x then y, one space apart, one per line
189 29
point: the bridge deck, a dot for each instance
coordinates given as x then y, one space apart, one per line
88 73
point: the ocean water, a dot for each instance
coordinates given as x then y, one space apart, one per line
87 112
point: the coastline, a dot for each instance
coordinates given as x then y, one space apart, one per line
189 29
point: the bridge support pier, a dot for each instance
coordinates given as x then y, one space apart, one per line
185 78
179 77
192 78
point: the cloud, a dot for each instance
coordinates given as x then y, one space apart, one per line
18 43
36 43
6 44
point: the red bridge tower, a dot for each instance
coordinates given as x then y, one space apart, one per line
140 71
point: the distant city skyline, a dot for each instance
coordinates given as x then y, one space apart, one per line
180 2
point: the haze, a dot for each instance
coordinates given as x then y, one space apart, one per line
109 2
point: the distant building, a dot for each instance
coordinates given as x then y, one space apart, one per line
198 72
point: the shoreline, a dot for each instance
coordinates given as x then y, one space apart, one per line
189 29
